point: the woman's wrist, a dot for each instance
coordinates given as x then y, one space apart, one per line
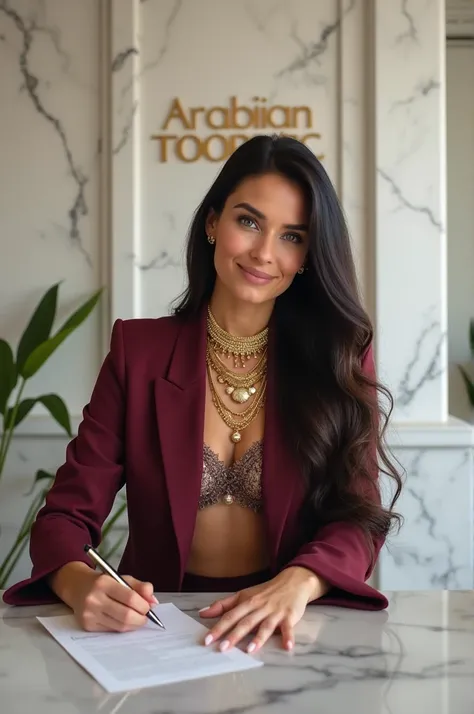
65 582
314 584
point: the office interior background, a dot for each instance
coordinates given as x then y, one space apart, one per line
117 114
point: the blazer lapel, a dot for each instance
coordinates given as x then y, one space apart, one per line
180 401
281 481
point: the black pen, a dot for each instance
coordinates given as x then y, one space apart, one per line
106 568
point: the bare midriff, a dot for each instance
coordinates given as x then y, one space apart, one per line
228 541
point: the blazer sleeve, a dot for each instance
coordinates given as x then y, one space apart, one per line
85 486
340 553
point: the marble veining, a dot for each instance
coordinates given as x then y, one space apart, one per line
28 27
430 551
121 57
312 51
424 365
421 90
126 129
261 17
411 33
160 262
405 202
175 9
416 656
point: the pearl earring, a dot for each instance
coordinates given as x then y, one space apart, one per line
211 239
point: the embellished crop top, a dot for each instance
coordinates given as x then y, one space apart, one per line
238 483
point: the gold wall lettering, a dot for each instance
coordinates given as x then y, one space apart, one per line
190 147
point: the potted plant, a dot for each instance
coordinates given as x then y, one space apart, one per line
37 343
468 373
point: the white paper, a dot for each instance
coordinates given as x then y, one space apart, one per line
147 657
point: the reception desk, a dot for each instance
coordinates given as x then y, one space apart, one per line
417 657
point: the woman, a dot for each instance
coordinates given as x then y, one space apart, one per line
245 426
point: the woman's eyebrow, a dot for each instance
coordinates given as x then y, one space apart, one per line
251 209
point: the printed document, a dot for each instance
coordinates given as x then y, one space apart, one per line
147 657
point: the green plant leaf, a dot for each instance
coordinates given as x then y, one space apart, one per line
107 554
8 374
39 327
471 337
42 353
53 404
112 520
469 385
23 410
21 541
42 475
58 410
78 317
14 555
21 537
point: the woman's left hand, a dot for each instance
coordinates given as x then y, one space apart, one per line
278 603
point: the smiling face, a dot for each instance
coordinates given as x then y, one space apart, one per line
261 238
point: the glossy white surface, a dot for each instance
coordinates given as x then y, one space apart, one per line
416 657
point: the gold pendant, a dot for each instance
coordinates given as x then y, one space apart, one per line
240 395
235 437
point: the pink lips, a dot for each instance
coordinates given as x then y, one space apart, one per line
256 276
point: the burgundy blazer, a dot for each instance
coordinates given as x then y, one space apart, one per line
143 427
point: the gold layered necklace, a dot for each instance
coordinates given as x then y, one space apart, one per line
239 386
240 348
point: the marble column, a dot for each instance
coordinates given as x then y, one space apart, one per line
411 310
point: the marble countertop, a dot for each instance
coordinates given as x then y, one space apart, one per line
416 657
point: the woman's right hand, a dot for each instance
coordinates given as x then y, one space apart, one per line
100 604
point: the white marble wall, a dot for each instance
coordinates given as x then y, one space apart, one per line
411 300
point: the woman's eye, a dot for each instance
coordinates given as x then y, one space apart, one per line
293 237
247 221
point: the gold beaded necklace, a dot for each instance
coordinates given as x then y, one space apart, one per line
240 348
240 386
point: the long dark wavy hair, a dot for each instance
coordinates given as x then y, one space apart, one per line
334 414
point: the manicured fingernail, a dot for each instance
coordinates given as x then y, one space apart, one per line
252 646
208 607
155 600
289 645
224 645
208 639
